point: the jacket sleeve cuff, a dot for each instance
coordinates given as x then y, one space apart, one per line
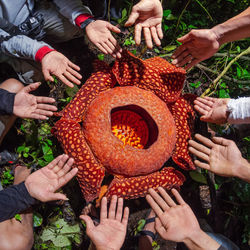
82 18
42 52
6 102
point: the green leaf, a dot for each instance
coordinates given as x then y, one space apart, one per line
100 57
198 177
18 217
72 91
37 219
238 72
166 12
170 48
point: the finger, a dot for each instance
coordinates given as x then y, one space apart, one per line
155 36
185 60
119 210
191 64
31 87
42 112
147 36
204 140
67 166
74 73
138 30
159 31
54 163
66 178
204 103
199 147
221 141
125 216
61 163
198 154
101 48
179 59
158 199
65 81
88 221
154 205
186 38
44 99
166 197
103 214
178 197
117 50
107 48
112 207
200 110
56 196
47 76
73 66
71 78
202 164
160 228
38 117
178 52
113 28
132 18
47 107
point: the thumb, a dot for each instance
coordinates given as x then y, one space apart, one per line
204 118
114 28
185 38
47 76
132 18
89 223
31 87
57 196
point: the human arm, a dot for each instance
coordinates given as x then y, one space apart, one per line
147 16
209 40
41 185
222 110
221 157
111 232
177 222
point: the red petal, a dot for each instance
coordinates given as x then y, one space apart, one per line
134 187
90 173
154 74
183 113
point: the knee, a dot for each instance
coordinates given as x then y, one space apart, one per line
17 241
12 85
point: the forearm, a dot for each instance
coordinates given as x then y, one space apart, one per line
201 241
243 172
233 29
14 200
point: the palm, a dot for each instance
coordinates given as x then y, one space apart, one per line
108 233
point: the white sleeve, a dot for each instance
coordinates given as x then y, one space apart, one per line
239 110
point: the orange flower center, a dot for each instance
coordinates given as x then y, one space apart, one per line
130 128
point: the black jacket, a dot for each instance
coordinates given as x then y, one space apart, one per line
6 102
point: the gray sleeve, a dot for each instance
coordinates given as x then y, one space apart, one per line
239 110
72 9
19 46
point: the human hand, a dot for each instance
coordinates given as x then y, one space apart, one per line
197 46
213 110
111 232
30 106
147 15
222 156
43 183
55 63
99 33
175 222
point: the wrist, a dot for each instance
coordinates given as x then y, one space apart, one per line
42 52
218 33
243 170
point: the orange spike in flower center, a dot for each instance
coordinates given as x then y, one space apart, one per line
130 128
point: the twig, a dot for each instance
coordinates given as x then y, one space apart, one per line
213 86
200 66
231 55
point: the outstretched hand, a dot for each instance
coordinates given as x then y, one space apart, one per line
221 156
55 63
147 16
30 106
43 183
99 33
213 110
197 46
111 232
175 222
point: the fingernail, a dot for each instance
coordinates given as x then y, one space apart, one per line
174 61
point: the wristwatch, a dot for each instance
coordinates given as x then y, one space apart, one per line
87 22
